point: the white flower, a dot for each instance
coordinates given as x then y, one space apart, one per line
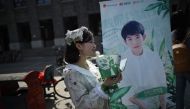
75 35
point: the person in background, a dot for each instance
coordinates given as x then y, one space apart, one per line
181 53
144 71
82 78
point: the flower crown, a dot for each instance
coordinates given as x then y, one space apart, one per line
75 35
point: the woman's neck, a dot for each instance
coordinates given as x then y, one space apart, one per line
82 63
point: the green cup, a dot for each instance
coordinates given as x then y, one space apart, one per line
108 65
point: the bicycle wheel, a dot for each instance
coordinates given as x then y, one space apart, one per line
61 90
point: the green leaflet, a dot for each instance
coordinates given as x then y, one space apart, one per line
160 8
151 92
165 13
152 38
162 47
119 93
117 106
161 5
152 6
171 58
171 78
149 41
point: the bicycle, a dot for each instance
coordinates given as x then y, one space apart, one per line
59 86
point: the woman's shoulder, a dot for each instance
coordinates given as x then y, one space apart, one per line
70 71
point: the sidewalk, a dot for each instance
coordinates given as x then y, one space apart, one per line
28 64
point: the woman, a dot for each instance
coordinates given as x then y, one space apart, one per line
81 76
181 52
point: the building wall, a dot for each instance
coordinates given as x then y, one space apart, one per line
32 13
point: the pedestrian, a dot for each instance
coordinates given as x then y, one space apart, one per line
181 52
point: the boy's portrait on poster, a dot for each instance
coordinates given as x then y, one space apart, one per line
144 70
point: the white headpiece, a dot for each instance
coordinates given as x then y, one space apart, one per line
75 35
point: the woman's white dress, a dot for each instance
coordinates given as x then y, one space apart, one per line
84 87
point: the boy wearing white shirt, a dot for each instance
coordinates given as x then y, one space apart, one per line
144 71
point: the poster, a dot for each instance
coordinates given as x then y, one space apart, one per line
149 76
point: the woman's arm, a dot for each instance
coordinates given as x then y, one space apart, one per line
81 96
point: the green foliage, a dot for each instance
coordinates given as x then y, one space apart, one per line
119 93
115 97
162 47
117 106
115 94
151 92
161 6
149 41
171 58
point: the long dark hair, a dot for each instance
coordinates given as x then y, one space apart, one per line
179 22
72 53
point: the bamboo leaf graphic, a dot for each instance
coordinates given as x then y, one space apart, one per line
164 7
161 5
151 92
159 9
119 93
162 47
118 106
149 41
152 6
165 13
151 44
165 1
171 58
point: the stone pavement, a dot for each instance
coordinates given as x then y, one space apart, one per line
28 64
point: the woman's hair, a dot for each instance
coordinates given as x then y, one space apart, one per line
179 23
72 53
131 28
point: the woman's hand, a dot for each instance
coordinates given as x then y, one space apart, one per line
112 80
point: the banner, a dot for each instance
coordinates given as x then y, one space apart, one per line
139 31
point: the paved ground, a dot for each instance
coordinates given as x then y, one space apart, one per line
36 63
